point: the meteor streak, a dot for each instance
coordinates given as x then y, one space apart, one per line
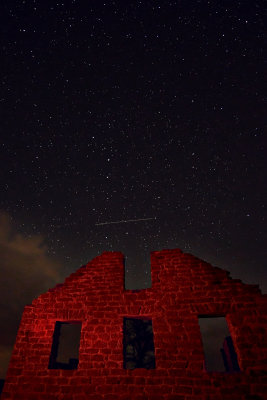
123 221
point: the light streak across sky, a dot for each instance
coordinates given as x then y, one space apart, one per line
123 221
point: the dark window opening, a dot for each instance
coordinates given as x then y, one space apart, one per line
218 346
137 270
2 382
65 346
229 355
138 344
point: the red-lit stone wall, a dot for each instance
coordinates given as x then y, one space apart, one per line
183 287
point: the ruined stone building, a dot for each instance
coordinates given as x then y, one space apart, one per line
141 344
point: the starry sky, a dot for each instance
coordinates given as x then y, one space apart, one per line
122 110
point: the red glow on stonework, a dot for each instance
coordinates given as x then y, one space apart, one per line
140 345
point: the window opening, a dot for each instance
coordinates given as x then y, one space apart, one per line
138 344
218 346
137 270
229 355
65 346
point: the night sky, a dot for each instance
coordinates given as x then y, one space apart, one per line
121 110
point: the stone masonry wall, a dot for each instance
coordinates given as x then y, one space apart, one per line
183 287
